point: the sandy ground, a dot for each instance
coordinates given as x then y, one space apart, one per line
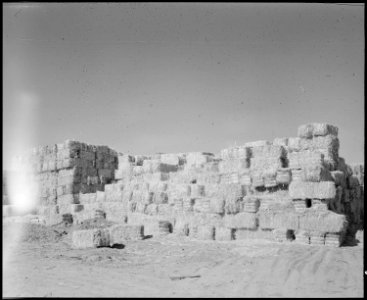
174 266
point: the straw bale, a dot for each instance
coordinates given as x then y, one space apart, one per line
324 190
197 158
205 232
160 198
140 207
53 219
274 220
165 209
249 234
224 233
283 176
299 205
202 205
170 159
123 233
68 199
259 143
294 144
76 208
334 239
305 131
280 142
250 204
87 198
158 186
217 205
323 129
302 237
115 211
233 195
273 151
151 209
181 228
212 166
164 227
241 220
92 238
305 158
197 190
262 163
125 158
316 174
325 221
101 196
309 190
188 204
257 179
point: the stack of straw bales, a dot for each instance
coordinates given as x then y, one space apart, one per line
262 189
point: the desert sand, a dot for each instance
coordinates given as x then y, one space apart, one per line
44 265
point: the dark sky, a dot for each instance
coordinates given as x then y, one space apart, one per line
178 77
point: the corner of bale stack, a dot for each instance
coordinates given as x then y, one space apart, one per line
90 238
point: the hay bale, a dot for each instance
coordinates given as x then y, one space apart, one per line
250 204
92 238
233 195
115 211
224 234
260 143
321 205
76 208
101 196
310 190
323 129
249 234
164 227
275 220
305 158
197 190
188 204
245 179
274 151
205 232
241 220
300 189
302 237
334 239
305 131
283 235
122 233
324 190
317 238
181 227
316 174
280 142
294 144
283 176
160 198
263 163
217 205
202 205
198 158
68 199
257 180
324 221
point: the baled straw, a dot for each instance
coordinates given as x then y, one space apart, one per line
325 221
